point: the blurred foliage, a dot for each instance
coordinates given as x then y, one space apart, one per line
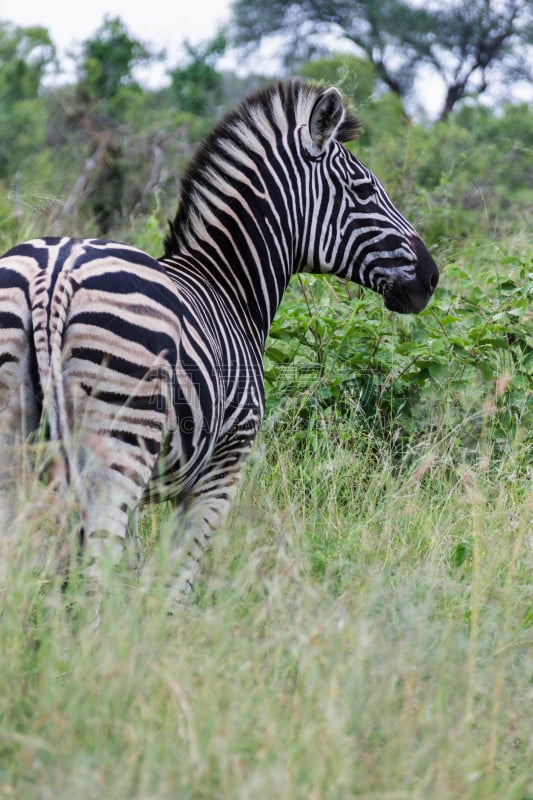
107 60
26 57
108 150
355 77
197 87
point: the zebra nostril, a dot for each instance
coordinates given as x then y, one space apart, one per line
427 270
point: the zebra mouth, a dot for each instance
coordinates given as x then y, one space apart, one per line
407 299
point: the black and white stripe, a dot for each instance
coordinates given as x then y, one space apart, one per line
150 372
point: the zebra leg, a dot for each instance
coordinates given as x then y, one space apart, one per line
203 516
204 510
112 453
111 477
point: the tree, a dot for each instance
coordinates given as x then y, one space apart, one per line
355 77
97 112
197 86
470 44
479 42
26 55
109 58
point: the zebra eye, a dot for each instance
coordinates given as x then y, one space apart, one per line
365 189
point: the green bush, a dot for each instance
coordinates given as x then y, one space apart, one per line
469 355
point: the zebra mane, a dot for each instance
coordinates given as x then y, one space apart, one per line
277 107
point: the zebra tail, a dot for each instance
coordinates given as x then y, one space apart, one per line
48 330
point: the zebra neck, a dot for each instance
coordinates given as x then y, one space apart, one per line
248 271
251 304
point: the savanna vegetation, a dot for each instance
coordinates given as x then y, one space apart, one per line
363 626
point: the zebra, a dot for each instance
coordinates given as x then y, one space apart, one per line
148 372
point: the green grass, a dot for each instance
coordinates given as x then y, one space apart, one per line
363 627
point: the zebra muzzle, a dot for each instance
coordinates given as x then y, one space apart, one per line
413 295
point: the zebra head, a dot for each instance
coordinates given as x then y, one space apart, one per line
354 229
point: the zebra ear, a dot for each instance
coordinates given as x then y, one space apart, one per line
326 116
